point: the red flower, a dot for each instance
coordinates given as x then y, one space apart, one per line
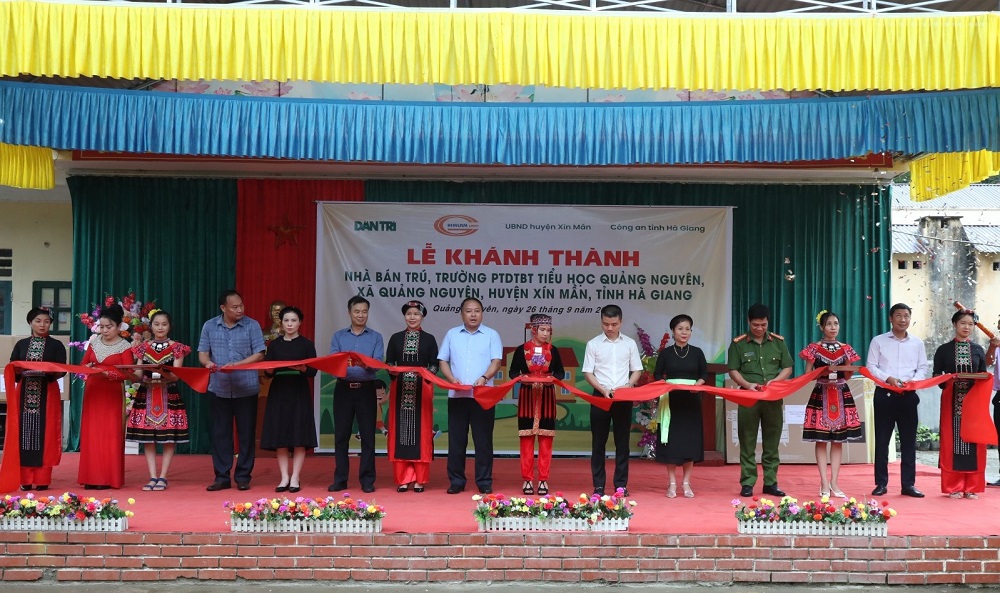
109 300
817 517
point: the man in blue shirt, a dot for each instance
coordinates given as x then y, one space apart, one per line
229 339
354 397
470 354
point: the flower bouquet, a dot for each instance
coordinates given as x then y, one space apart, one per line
321 515
647 415
496 512
813 518
67 512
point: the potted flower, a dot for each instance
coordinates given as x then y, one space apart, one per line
496 512
788 517
67 512
924 439
321 515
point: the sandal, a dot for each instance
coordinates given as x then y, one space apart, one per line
839 493
418 488
971 495
688 493
528 488
402 488
151 485
672 491
955 495
543 487
161 485
824 494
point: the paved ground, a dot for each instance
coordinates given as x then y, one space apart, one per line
931 458
245 586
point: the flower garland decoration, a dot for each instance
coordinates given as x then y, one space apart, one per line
592 508
65 506
788 510
646 416
135 321
820 316
306 509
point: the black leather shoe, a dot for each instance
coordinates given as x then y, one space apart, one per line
281 489
336 487
26 487
879 491
997 483
746 491
912 491
773 490
216 486
368 489
455 489
599 490
486 490
243 486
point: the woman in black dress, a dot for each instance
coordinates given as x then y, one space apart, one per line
680 441
289 421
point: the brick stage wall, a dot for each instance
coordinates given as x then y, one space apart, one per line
611 558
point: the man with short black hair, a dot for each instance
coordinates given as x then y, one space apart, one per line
755 359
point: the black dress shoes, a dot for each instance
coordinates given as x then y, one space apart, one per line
243 486
997 483
912 491
294 489
599 490
773 490
336 487
216 486
453 489
281 489
486 490
879 491
368 489
746 491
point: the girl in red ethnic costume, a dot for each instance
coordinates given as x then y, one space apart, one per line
411 401
963 464
102 427
158 415
536 402
831 416
33 441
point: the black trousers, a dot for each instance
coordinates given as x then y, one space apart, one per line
225 412
899 411
349 404
620 415
465 413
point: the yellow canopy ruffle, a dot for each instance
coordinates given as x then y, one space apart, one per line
935 175
905 53
29 167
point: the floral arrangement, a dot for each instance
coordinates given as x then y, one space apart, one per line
788 510
593 508
306 509
135 321
66 506
647 415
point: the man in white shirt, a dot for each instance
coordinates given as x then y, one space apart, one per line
611 361
897 357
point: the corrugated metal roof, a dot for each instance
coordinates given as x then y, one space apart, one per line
974 197
985 238
906 239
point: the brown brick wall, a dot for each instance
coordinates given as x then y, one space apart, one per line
612 558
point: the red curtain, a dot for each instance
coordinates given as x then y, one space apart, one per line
276 242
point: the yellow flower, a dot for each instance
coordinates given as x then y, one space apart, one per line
825 499
892 512
371 508
131 500
476 497
129 514
275 504
853 500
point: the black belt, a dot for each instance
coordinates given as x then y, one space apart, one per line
358 384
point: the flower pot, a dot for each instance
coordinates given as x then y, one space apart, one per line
305 526
923 445
824 529
62 524
935 445
537 524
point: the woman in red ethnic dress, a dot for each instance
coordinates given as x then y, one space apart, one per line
831 416
963 464
33 441
158 415
102 428
536 402
411 401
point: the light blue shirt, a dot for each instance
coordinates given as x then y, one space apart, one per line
226 345
469 354
368 342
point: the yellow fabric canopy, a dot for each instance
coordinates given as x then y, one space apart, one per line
904 53
29 167
935 175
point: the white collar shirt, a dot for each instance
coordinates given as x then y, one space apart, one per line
611 362
889 356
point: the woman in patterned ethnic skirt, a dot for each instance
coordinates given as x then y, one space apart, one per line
33 439
831 416
411 401
536 402
158 415
963 464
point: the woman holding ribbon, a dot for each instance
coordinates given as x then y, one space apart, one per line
158 415
102 427
33 440
411 401
536 402
831 416
963 464
680 440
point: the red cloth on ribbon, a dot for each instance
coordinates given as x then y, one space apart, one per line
911 386
774 390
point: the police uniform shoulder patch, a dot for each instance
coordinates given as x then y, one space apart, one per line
740 337
777 336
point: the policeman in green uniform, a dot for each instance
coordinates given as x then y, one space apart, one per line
755 359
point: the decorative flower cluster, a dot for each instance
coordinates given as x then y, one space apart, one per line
134 322
647 415
306 509
68 506
789 510
592 508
